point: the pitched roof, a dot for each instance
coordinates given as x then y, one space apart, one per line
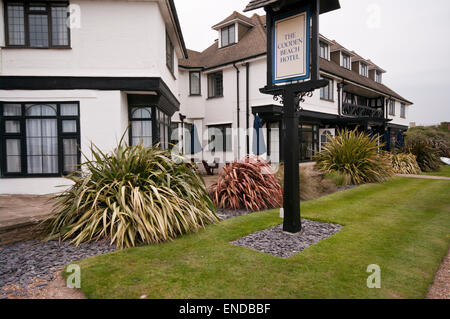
335 69
254 43
234 16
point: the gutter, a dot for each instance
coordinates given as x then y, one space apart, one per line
178 27
238 109
247 104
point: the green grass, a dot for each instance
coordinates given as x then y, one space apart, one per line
445 172
402 225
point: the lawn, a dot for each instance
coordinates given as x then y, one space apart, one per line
402 225
445 172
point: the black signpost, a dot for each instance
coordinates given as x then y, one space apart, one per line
293 72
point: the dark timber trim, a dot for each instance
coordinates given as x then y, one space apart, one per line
134 84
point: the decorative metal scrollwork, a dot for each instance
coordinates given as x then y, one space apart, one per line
278 98
300 98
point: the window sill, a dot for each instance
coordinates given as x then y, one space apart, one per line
327 100
214 97
195 95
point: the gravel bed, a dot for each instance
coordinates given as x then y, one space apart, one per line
225 214
278 243
21 263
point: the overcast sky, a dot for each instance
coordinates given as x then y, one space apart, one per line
410 39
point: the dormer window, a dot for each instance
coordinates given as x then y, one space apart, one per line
346 61
228 35
364 70
324 50
378 77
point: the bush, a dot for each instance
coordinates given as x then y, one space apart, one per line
354 154
133 196
313 184
403 163
427 155
438 139
247 184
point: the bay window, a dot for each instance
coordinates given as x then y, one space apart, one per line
39 139
149 126
37 24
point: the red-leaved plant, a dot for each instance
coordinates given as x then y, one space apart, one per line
248 184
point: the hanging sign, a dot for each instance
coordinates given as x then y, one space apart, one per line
290 47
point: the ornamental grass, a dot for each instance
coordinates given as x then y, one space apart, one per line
132 196
249 184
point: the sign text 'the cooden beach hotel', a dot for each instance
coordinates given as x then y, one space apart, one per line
291 44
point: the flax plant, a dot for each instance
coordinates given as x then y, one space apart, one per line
357 155
132 196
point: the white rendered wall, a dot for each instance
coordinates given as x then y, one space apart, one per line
116 38
103 121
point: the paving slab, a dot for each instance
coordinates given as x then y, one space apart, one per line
442 178
19 210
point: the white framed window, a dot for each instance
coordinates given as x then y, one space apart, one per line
378 76
326 93
392 107
364 71
324 50
228 35
403 111
346 61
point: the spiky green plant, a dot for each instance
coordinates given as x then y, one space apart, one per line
355 154
404 163
132 196
424 149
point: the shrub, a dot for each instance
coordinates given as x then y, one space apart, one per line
313 184
403 163
339 179
437 138
355 154
427 155
135 195
247 184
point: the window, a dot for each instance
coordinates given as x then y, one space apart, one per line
346 61
164 125
324 50
149 126
392 107
215 85
169 54
326 93
228 35
37 25
194 83
378 76
364 70
141 126
309 141
403 111
219 138
39 139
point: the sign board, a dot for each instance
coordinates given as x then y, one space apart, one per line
290 47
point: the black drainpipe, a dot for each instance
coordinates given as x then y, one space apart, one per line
238 110
247 103
340 90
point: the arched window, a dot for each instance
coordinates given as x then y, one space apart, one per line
141 126
40 139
